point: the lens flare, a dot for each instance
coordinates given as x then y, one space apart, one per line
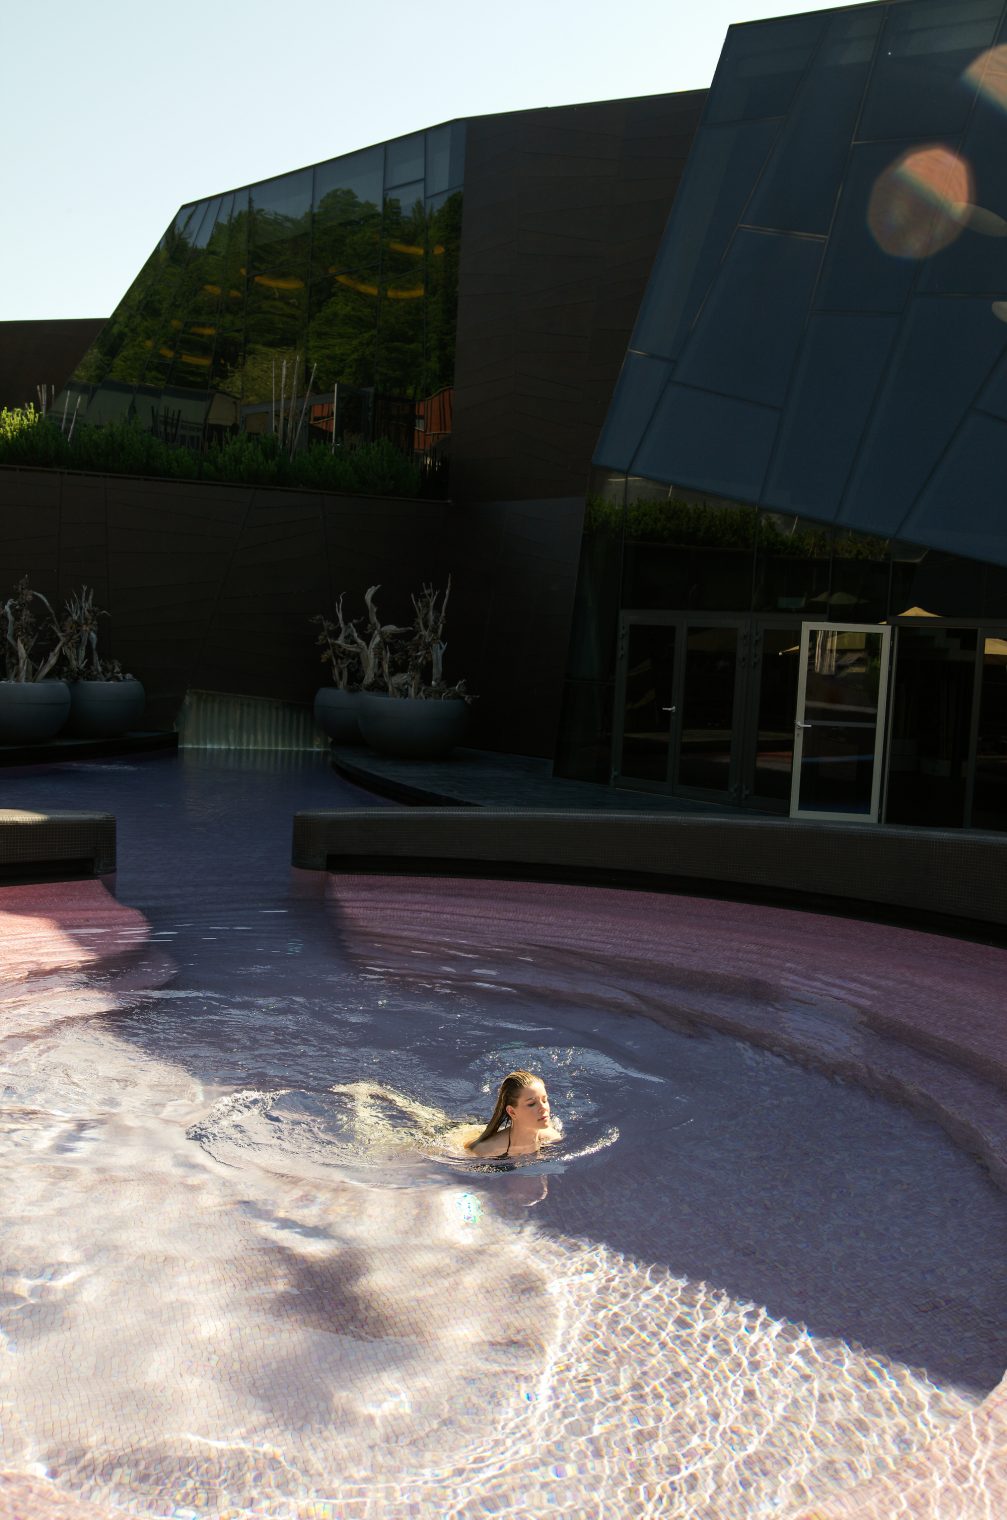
921 203
988 73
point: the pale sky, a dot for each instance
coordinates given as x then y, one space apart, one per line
114 114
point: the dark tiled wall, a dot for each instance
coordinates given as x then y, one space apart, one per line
212 586
41 353
564 211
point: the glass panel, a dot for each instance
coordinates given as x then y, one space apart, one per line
858 275
844 671
723 167
793 570
926 582
709 443
746 337
277 285
349 189
797 192
444 232
989 807
925 49
636 394
404 160
646 723
962 505
837 378
399 366
711 663
837 769
946 349
346 256
594 630
838 721
931 720
445 158
689 554
584 747
779 669
761 67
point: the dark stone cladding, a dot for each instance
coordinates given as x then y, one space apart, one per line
564 211
41 353
212 586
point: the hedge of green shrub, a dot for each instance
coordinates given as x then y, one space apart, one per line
371 469
702 525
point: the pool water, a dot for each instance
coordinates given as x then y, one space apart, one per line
244 1274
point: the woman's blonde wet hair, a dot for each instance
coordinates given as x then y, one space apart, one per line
513 1083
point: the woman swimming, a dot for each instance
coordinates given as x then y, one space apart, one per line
521 1115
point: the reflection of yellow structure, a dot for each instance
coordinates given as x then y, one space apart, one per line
198 359
204 332
410 293
415 249
279 281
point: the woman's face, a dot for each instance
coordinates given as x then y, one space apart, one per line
530 1110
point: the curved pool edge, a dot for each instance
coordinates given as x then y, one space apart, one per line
956 878
962 1472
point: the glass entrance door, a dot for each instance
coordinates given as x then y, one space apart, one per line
677 704
839 728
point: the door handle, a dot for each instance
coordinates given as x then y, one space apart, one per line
802 725
669 709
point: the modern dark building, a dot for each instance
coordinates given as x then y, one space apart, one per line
758 418
793 586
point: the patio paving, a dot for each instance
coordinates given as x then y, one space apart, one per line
483 778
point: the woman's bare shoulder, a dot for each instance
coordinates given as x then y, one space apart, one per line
496 1145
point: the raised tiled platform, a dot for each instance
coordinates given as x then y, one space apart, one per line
55 751
952 877
51 846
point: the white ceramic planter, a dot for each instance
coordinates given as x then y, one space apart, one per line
336 714
102 709
412 728
32 710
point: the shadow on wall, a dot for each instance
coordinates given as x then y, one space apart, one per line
211 588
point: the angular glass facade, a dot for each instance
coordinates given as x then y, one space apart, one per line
793 581
336 282
820 334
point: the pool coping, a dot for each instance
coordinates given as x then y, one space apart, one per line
55 846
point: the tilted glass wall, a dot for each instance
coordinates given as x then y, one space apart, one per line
337 283
824 332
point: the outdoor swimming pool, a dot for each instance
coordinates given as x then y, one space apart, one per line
242 1277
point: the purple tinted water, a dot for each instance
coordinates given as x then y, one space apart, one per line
244 1273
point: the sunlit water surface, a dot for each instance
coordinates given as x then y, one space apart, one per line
244 1273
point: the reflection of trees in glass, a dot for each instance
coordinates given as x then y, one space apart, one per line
366 291
700 524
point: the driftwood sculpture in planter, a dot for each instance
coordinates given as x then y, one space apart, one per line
104 699
417 715
388 681
33 704
357 665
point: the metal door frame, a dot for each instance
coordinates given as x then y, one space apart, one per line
881 722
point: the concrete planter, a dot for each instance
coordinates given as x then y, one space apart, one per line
32 710
101 709
412 728
336 714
